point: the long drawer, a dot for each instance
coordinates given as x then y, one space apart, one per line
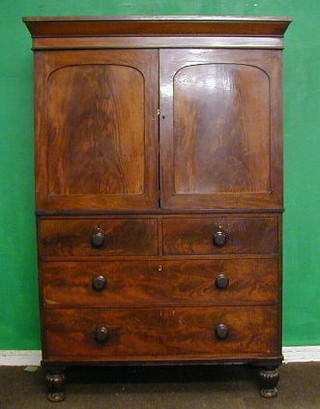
65 238
223 281
167 333
220 235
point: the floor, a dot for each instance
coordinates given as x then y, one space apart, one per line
227 387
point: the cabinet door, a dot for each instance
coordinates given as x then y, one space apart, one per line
97 129
220 129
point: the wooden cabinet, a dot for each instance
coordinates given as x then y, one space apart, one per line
159 191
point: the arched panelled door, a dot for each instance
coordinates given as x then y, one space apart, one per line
220 127
99 139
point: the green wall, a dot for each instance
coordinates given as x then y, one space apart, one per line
19 323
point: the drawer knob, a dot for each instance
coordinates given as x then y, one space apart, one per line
98 238
222 281
99 283
219 237
222 331
102 334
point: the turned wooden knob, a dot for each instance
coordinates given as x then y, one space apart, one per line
219 238
98 239
99 283
222 281
102 334
222 331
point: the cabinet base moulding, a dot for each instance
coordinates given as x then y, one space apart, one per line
33 358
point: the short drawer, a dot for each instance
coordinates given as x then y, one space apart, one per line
169 333
97 238
234 282
251 235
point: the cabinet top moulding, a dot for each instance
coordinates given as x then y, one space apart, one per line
158 26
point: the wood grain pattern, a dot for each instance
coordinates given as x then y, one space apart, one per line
159 188
166 332
96 127
97 146
157 212
69 238
244 235
72 43
220 129
69 284
156 25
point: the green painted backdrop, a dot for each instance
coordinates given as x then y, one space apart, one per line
19 322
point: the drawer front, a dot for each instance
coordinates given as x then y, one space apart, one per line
241 281
252 235
97 238
161 333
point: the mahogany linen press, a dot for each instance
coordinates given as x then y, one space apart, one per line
159 191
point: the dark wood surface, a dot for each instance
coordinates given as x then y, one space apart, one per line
127 42
244 235
167 332
251 281
156 25
211 153
220 129
104 155
140 120
100 153
71 238
127 213
215 145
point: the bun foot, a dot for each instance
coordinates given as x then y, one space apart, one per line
56 386
269 378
